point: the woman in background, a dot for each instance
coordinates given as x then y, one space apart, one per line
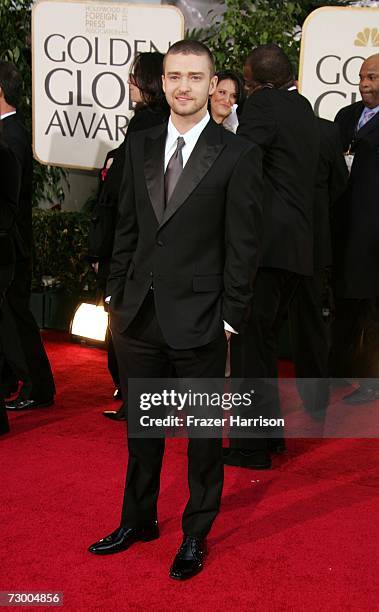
151 109
227 100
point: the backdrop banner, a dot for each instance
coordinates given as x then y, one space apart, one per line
82 53
335 41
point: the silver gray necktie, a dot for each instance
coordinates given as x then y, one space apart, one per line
174 169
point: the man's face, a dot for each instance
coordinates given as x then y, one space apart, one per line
369 81
187 83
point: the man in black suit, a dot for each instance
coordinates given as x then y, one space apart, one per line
38 384
282 122
9 196
309 332
185 254
356 238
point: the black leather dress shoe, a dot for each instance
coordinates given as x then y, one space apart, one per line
190 559
116 415
27 404
362 396
123 537
256 459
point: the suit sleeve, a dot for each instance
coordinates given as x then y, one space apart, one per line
16 142
346 128
126 235
243 236
257 122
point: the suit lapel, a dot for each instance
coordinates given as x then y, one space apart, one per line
154 170
203 156
369 126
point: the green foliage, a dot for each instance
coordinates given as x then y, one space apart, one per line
246 24
60 248
15 46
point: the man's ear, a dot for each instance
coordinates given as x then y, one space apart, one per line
213 85
163 83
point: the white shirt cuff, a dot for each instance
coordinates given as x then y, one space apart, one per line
229 328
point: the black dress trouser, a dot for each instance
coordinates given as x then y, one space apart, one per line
39 382
142 352
6 275
310 340
355 340
254 354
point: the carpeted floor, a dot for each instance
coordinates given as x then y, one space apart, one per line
302 536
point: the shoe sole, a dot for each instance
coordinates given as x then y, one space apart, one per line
44 405
183 578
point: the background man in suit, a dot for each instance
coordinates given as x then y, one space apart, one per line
357 244
185 254
38 389
281 121
9 195
310 337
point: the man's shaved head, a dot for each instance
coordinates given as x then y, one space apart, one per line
369 81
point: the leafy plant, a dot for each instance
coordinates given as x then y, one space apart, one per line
60 247
246 24
15 46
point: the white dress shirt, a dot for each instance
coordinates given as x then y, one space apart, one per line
367 114
190 138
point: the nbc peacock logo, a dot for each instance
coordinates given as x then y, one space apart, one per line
369 37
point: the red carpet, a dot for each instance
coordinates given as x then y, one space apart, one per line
303 536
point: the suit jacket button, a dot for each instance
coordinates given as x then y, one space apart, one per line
160 243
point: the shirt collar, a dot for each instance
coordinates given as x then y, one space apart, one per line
367 110
7 115
191 136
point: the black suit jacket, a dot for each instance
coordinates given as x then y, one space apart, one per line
357 215
201 252
283 123
18 140
331 182
9 196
